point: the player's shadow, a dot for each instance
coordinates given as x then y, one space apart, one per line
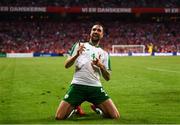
51 119
87 117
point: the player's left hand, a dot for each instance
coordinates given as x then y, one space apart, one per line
97 62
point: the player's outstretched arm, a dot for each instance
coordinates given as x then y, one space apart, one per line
70 61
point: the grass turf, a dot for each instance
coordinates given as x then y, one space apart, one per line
145 90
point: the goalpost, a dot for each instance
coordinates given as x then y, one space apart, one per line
128 48
178 48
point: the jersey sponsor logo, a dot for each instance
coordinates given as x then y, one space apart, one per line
93 56
87 49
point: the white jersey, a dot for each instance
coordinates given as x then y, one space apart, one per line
85 73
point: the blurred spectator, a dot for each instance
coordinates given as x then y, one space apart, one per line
58 37
93 3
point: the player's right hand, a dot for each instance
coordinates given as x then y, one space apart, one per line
80 49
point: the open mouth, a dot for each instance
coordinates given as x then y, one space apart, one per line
95 35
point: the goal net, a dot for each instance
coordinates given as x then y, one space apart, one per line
128 48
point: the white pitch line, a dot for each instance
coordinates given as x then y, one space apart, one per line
162 70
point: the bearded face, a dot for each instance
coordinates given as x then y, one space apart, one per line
96 33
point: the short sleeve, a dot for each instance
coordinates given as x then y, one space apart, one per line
74 49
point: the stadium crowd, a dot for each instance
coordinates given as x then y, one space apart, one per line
58 37
93 3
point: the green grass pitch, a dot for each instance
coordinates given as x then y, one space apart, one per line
145 90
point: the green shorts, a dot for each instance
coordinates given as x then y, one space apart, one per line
80 93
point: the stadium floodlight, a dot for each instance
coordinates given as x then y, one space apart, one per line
128 48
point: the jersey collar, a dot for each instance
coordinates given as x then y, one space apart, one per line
97 46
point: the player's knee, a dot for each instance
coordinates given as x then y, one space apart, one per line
115 116
59 117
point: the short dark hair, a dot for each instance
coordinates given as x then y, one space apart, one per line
100 24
